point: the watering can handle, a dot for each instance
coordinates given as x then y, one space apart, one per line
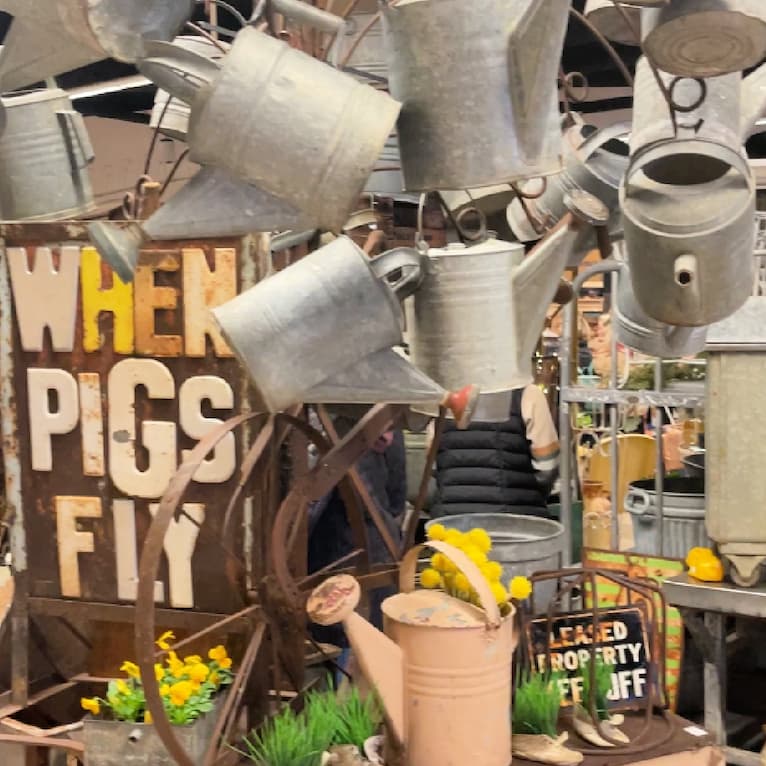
176 70
637 501
309 15
412 264
467 567
601 137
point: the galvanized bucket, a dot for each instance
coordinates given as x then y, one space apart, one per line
170 114
478 85
705 38
49 37
594 161
313 139
44 153
683 517
688 211
318 318
523 545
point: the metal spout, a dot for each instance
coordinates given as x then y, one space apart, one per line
119 246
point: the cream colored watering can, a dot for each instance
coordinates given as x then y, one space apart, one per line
442 669
49 37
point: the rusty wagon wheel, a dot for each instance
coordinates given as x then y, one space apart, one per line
273 605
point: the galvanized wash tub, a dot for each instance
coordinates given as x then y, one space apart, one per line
683 516
522 544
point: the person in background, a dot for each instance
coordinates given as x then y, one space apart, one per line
507 467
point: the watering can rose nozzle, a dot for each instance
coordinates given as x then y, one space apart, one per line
334 600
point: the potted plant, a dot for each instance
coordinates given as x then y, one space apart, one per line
119 729
536 705
582 720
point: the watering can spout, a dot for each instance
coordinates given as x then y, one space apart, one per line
753 101
380 659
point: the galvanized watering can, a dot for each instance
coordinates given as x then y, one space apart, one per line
323 330
442 668
595 161
646 335
313 139
170 114
49 37
44 154
478 85
481 309
705 38
212 204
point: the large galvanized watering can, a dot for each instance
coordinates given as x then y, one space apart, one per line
705 38
442 669
595 161
313 139
478 85
481 309
44 154
49 37
211 204
646 335
323 330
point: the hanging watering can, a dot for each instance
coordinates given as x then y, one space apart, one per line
280 119
481 309
478 86
487 199
211 205
49 37
170 114
323 330
705 38
44 153
619 28
442 668
648 336
594 161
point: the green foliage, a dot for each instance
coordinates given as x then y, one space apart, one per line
602 688
358 719
536 704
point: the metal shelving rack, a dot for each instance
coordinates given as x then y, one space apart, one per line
613 398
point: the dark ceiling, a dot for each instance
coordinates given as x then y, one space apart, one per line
582 53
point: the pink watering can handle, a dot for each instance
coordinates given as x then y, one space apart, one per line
408 571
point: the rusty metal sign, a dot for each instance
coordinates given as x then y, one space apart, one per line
106 386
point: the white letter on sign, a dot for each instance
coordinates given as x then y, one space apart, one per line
70 541
193 393
45 297
157 437
45 422
179 545
126 554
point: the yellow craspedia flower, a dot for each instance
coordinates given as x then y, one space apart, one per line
442 564
437 532
180 692
159 672
162 641
461 583
520 588
481 539
148 720
430 578
130 669
455 538
218 653
475 554
492 571
91 704
698 555
499 592
449 580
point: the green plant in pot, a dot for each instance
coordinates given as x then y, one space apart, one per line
597 683
536 705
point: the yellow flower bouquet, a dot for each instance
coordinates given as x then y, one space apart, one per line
187 686
477 546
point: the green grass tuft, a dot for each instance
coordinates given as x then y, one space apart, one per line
603 687
358 719
536 704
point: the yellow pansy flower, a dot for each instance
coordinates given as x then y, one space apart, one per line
430 578
122 687
164 690
437 532
198 673
492 571
130 669
195 659
92 705
481 539
218 653
225 663
148 720
175 665
708 570
180 692
162 641
214 679
461 583
520 588
499 592
159 672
